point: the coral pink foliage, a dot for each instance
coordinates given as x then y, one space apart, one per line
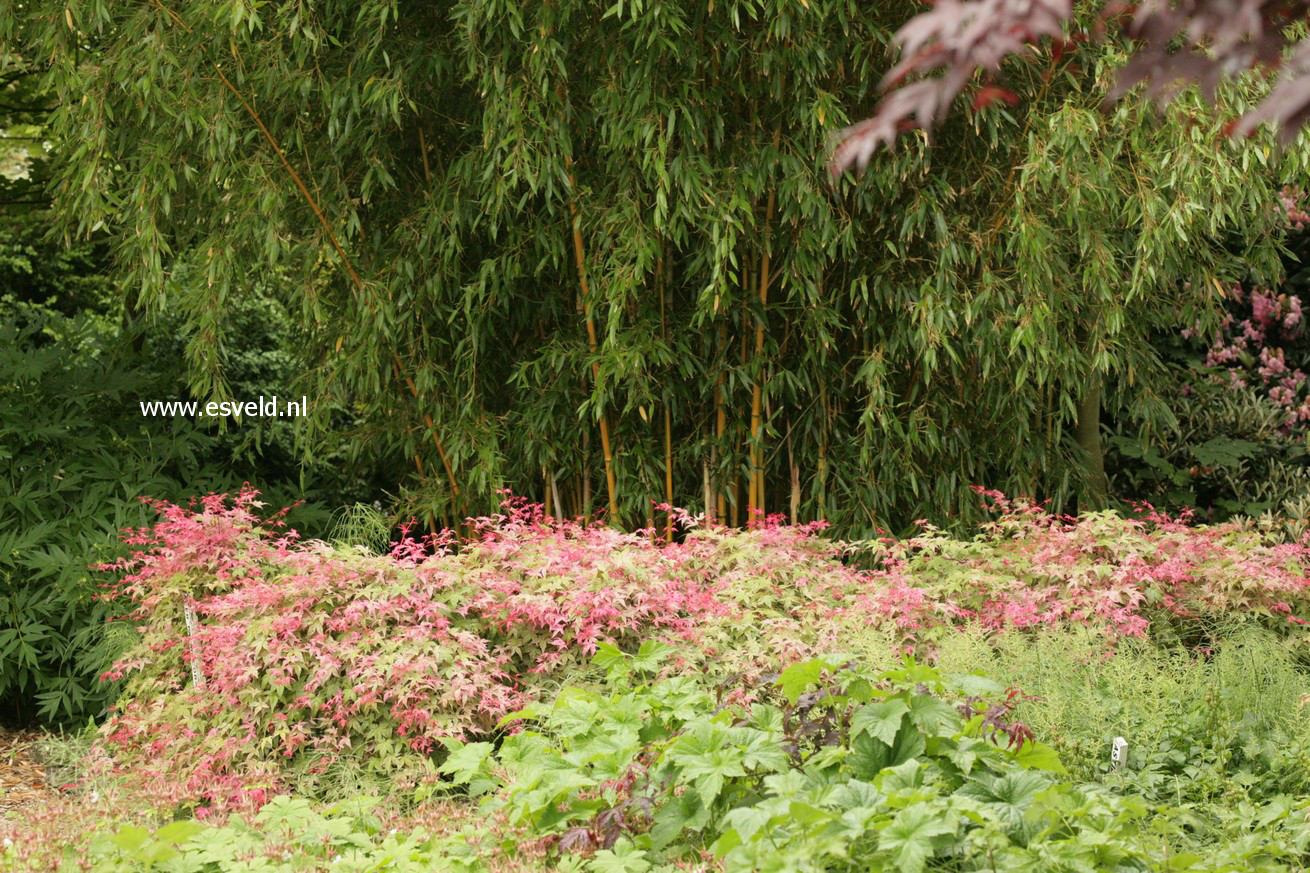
312 657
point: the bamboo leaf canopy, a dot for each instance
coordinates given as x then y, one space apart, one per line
593 255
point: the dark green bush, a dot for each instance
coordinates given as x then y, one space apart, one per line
1228 455
75 457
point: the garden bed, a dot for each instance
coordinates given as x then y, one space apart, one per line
542 694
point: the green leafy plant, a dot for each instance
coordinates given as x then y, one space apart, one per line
830 768
1227 455
825 766
76 459
1081 693
72 466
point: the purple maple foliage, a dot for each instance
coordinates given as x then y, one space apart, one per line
1175 43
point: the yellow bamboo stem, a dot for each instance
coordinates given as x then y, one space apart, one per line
668 424
757 390
579 257
668 473
721 422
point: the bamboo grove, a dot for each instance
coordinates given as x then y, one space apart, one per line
591 255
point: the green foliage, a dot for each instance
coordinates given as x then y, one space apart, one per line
866 772
362 526
1246 693
264 356
288 833
1226 454
937 322
1222 737
69 280
828 768
70 469
76 459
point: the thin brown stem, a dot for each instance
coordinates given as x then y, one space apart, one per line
579 257
545 488
423 150
795 507
757 390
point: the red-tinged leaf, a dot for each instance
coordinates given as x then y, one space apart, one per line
989 95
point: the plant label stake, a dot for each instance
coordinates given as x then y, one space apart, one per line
1119 753
197 675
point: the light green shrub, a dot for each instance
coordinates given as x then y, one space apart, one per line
1084 694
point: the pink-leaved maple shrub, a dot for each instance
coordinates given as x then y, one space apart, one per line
310 659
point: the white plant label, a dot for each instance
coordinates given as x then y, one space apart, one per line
1119 753
197 674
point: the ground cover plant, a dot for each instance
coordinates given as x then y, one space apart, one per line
587 698
833 767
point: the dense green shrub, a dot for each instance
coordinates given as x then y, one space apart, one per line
835 768
1228 454
75 459
1082 695
72 465
71 280
265 356
1238 442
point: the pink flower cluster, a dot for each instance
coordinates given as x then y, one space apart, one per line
311 657
1290 201
1250 351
